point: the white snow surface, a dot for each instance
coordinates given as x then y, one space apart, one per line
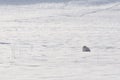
45 42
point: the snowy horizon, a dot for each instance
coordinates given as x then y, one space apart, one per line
26 2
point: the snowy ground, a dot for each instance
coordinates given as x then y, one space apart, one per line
45 42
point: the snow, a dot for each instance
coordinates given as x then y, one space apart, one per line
44 42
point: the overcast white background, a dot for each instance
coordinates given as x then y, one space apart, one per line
43 39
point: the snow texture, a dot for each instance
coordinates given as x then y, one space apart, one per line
44 41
